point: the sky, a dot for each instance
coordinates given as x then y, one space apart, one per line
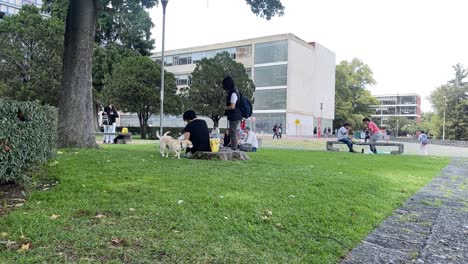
410 45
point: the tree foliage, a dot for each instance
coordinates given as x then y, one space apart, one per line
453 98
352 98
31 49
123 23
206 94
135 87
266 8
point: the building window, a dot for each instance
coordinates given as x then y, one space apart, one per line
271 76
271 52
243 52
265 122
168 61
183 59
270 99
249 72
183 80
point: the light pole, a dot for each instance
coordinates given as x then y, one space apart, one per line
161 115
443 126
319 132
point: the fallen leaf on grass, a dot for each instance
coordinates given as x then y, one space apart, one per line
340 172
292 196
180 201
3 234
132 209
19 204
117 241
54 216
268 213
279 226
227 218
24 247
99 216
265 218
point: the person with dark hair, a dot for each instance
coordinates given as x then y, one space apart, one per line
343 136
315 131
232 111
374 133
226 140
109 115
280 131
197 132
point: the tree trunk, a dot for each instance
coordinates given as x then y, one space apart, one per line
143 124
96 107
76 122
215 120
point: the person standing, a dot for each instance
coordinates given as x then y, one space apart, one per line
315 132
343 136
233 113
423 141
111 114
374 133
280 131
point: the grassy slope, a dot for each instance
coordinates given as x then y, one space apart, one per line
317 197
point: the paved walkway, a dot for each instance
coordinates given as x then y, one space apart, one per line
431 227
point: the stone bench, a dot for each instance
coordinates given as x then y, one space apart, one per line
222 154
126 137
400 146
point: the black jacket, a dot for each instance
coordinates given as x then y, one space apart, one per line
235 114
111 114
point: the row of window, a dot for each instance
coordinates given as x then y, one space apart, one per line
9 10
185 79
397 100
403 110
22 2
195 57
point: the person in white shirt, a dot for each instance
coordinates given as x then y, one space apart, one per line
250 142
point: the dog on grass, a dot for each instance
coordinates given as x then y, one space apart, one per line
172 145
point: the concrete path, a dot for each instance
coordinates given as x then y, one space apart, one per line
431 227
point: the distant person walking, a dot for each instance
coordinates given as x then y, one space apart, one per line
423 141
280 131
374 133
275 131
233 113
315 132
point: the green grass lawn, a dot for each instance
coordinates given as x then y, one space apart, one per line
126 204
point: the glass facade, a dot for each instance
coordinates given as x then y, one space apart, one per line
271 76
195 57
397 105
12 7
270 99
271 52
264 122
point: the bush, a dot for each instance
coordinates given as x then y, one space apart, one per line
27 138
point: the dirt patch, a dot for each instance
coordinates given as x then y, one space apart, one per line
13 196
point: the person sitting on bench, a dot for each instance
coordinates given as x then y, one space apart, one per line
342 136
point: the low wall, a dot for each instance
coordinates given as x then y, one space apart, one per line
454 143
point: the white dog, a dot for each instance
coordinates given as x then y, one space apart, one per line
172 145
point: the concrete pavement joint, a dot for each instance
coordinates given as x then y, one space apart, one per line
431 227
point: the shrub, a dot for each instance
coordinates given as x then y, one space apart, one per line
27 138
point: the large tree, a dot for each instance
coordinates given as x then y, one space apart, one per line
31 48
453 99
75 103
352 99
135 87
206 94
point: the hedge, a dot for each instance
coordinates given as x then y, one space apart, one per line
27 138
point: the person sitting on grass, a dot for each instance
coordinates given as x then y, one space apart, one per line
250 142
197 132
343 136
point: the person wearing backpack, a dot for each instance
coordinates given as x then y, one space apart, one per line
232 110
423 140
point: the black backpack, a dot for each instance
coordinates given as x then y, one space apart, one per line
245 106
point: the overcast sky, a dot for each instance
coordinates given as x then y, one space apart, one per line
410 45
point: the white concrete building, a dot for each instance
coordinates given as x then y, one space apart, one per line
292 78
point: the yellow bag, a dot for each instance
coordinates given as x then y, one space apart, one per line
214 144
125 130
